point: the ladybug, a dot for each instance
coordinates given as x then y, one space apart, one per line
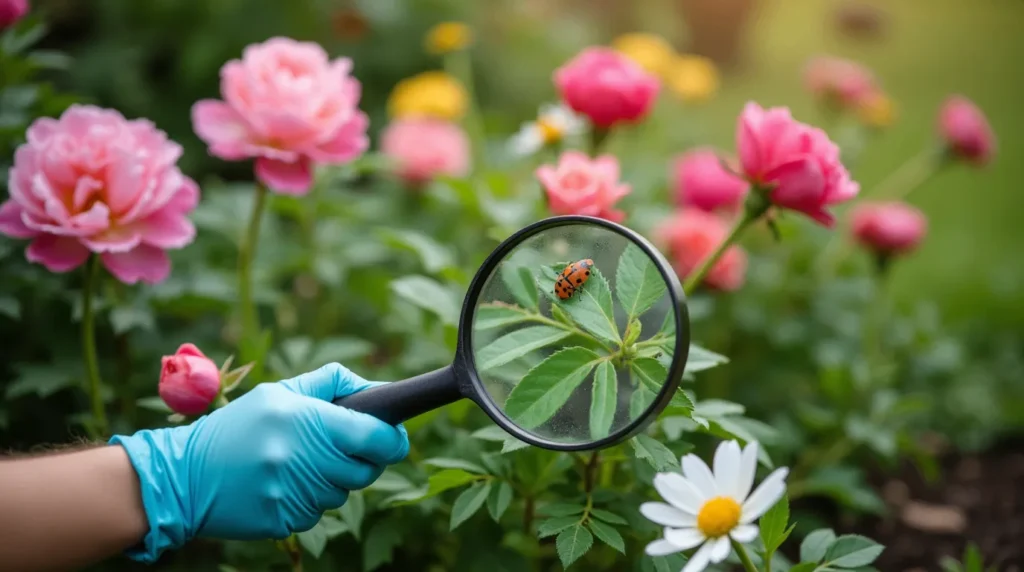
573 278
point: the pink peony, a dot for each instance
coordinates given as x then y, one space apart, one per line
426 148
11 11
966 131
580 185
289 106
796 163
702 182
607 87
189 381
691 236
93 181
844 82
890 227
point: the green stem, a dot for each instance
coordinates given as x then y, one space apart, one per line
246 252
695 278
598 137
744 557
98 427
459 65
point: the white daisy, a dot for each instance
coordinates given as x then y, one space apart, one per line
706 509
553 124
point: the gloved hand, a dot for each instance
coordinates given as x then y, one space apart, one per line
264 466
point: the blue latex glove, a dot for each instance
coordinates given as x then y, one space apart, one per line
265 466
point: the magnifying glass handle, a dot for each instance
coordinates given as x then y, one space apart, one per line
400 401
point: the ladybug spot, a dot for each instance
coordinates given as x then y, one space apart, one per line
587 273
579 281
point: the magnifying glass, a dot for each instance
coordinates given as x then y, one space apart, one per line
574 335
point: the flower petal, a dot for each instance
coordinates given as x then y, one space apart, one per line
745 476
57 253
720 549
349 142
700 475
684 538
679 492
666 515
661 547
287 178
222 128
727 467
700 559
11 222
766 495
144 262
167 229
744 533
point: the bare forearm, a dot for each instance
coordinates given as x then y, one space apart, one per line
67 510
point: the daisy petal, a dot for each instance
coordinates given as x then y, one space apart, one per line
666 515
720 549
727 466
684 538
679 492
744 533
661 547
766 495
745 476
700 475
700 559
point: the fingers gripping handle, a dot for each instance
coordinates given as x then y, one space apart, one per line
400 401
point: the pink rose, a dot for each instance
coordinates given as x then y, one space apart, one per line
796 163
889 227
607 87
93 181
426 148
702 182
580 185
189 381
289 106
11 11
844 82
691 236
966 131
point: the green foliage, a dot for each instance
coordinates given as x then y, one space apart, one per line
823 551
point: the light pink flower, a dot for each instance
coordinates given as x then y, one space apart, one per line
93 181
607 87
425 148
844 82
796 163
889 227
966 130
691 236
189 381
290 107
702 182
580 185
11 11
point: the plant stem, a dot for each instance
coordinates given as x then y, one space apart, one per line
460 65
246 251
590 472
695 278
744 557
528 508
98 427
598 137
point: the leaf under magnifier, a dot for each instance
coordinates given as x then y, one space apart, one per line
517 344
548 385
604 400
591 307
638 284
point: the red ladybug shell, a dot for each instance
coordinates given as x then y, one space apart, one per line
573 278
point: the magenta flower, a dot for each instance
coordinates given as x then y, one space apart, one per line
607 87
702 182
966 131
579 185
189 381
889 227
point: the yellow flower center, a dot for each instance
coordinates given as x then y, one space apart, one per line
693 79
877 111
429 94
718 516
448 37
550 132
649 51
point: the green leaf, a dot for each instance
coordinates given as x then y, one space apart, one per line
353 512
434 256
699 359
658 455
561 509
606 516
314 540
512 444
852 551
440 482
126 318
813 548
515 345
334 527
498 501
10 307
548 385
774 524
805 567
340 349
428 294
607 535
41 380
638 284
553 526
604 400
496 315
650 374
712 408
468 503
520 283
449 463
572 543
380 544
153 403
591 307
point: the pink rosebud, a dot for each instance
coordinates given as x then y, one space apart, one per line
580 185
703 183
839 81
189 381
426 148
796 163
889 227
11 11
289 106
93 181
966 130
607 87
691 236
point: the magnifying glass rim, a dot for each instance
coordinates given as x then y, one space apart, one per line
676 368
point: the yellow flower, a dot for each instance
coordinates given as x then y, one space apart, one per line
694 79
448 37
649 51
877 110
429 94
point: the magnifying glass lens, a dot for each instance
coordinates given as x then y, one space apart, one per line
573 334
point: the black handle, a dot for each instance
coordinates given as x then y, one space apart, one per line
402 400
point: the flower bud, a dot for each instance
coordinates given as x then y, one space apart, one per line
966 131
11 11
888 228
189 381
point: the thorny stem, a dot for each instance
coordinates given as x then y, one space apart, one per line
246 252
98 428
744 557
